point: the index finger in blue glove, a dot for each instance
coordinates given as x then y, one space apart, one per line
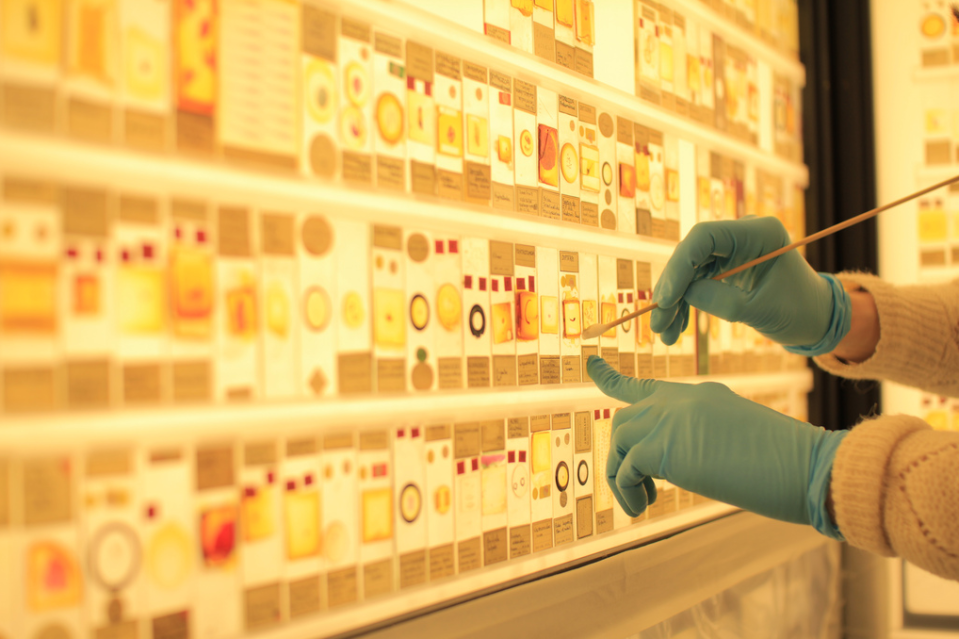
622 387
703 241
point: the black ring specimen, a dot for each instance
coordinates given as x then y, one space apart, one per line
581 470
101 535
477 310
565 485
418 327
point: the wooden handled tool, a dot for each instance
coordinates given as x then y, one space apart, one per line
598 329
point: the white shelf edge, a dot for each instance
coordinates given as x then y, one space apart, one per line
417 24
169 175
499 577
72 430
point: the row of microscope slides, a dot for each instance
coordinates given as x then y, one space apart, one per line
114 298
214 539
347 102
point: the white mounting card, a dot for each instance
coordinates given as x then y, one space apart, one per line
320 88
389 108
496 19
261 526
564 530
299 484
411 501
547 283
590 178
468 496
527 314
141 329
389 308
448 93
111 532
451 311
476 131
518 485
502 318
572 316
521 24
476 311
541 481
87 276
625 301
440 531
604 502
582 472
375 490
316 243
501 140
217 602
493 469
279 310
567 154
238 295
169 532
353 308
29 283
625 176
355 56
547 147
340 518
423 323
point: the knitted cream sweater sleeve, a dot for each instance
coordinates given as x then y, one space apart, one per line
918 333
893 480
894 492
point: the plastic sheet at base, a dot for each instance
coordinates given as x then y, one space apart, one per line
799 599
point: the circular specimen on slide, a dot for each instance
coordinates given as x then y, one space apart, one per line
656 190
115 555
353 314
562 476
582 472
442 499
410 503
389 118
933 26
317 308
449 307
317 235
422 376
477 321
323 155
357 84
626 326
519 482
419 312
353 128
607 174
170 556
320 91
569 163
526 143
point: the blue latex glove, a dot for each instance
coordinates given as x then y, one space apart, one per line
707 439
784 299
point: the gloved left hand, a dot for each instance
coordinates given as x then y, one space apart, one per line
707 439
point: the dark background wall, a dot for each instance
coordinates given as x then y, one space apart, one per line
835 47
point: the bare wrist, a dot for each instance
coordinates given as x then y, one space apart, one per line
860 342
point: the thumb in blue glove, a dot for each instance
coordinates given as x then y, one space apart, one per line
706 439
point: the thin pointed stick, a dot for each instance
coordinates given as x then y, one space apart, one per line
598 329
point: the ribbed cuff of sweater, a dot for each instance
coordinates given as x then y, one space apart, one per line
858 479
904 318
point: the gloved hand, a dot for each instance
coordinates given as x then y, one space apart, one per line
784 299
707 439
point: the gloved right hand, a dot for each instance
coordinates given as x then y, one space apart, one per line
783 298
